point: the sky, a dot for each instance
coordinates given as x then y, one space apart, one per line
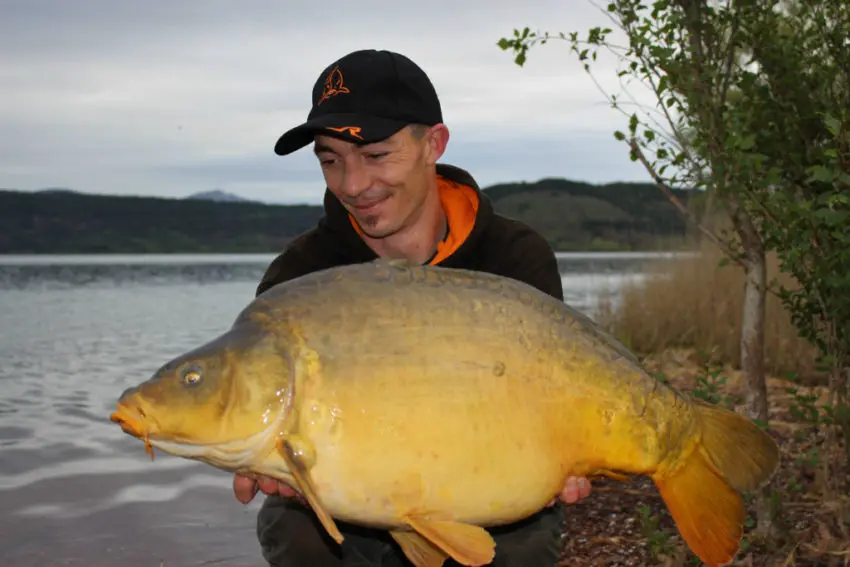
171 97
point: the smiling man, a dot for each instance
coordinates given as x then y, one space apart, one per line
377 130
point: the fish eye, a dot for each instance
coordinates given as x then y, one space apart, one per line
192 376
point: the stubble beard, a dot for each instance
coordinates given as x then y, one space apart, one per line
369 224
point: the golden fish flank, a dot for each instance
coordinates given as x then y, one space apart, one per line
436 403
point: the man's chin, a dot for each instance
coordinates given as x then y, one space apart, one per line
373 225
376 231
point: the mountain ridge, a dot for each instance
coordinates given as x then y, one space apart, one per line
571 215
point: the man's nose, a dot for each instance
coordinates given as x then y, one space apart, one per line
355 180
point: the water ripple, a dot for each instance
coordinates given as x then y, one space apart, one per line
125 496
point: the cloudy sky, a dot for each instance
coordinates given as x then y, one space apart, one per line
170 97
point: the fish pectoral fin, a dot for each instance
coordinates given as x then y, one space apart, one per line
467 544
420 551
604 473
292 450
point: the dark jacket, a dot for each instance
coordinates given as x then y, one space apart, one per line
495 244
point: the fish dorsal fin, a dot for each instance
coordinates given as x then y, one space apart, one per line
292 449
465 543
420 551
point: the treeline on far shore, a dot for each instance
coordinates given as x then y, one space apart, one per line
571 215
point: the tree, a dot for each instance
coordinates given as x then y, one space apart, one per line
751 103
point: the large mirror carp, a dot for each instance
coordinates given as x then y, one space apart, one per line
435 403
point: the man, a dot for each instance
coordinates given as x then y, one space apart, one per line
377 130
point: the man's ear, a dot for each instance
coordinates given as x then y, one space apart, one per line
436 140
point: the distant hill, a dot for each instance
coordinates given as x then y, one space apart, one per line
219 196
571 216
574 215
69 223
57 190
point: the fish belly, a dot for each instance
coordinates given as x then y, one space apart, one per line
481 433
459 396
390 447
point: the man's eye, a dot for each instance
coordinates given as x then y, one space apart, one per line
378 155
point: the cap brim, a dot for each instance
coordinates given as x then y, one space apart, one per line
357 128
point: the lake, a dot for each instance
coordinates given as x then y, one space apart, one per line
75 332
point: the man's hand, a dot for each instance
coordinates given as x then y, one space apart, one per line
576 488
245 488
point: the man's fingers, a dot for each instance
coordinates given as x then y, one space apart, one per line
584 487
575 489
271 486
244 488
285 490
268 485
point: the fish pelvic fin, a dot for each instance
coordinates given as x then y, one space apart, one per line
296 454
467 544
420 551
702 488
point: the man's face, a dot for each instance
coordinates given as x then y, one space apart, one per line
384 184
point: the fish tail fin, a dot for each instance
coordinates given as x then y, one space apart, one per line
702 488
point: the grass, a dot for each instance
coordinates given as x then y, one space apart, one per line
696 303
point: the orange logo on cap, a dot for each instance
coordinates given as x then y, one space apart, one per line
353 131
333 85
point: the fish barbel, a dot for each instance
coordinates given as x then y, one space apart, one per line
435 403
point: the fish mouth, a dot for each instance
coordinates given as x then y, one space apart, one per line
132 422
235 454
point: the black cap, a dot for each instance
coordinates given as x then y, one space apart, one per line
364 97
